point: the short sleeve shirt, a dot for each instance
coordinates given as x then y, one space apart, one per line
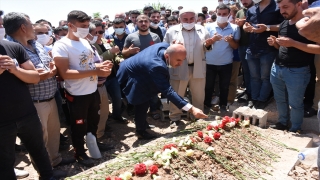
141 41
81 57
16 103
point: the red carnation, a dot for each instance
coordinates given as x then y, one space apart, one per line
237 120
216 135
117 178
108 178
140 169
209 127
153 169
207 140
169 146
200 134
221 126
216 128
192 139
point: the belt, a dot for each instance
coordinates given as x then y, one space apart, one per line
100 85
191 64
45 100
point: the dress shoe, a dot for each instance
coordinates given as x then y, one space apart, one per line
20 173
104 147
84 160
142 134
121 120
279 126
309 112
65 161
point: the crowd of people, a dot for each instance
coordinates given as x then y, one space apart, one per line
68 73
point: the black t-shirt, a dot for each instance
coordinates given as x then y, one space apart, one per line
158 32
290 56
15 99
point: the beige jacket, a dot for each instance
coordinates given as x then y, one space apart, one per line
199 68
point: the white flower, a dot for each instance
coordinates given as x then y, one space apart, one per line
189 152
231 124
187 138
210 149
210 134
194 171
149 163
174 139
156 154
189 142
166 164
245 123
174 151
166 154
214 123
126 176
155 177
181 143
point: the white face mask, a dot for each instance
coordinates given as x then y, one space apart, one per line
225 1
43 39
176 16
163 12
94 40
50 32
81 32
2 33
256 1
62 37
154 25
119 31
188 26
199 23
222 20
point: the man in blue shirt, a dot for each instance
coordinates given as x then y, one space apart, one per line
219 60
262 21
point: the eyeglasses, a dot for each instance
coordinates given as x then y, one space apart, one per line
99 32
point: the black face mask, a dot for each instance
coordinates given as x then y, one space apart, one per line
204 12
167 15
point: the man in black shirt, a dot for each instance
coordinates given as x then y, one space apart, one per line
18 113
290 72
154 16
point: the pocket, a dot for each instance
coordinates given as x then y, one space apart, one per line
302 70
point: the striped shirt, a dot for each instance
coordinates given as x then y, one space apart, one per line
40 59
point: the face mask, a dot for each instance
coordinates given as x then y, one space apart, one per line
220 2
50 33
43 39
176 16
62 37
163 12
106 19
94 40
81 32
221 19
225 1
199 23
2 33
204 12
188 26
119 31
154 25
256 1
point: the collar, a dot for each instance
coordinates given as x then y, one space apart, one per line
32 42
217 26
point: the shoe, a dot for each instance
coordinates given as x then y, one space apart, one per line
84 160
223 108
243 99
279 126
57 173
150 126
121 120
63 146
65 161
20 173
250 104
174 124
155 116
63 138
142 134
261 104
216 108
309 112
20 148
104 147
215 100
296 131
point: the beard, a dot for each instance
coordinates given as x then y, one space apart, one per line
290 16
143 30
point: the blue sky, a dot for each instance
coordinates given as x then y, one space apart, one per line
55 10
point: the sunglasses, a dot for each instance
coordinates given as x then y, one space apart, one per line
100 32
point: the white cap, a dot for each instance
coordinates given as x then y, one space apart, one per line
186 10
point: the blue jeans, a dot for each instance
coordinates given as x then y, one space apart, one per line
289 85
114 90
260 66
245 68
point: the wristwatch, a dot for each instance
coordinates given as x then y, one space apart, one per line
268 28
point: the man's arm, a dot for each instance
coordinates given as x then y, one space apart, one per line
62 63
309 48
26 72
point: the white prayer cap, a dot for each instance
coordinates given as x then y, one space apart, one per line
186 10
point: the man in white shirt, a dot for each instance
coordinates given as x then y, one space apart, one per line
74 60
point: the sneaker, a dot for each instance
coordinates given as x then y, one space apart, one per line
65 161
243 99
84 160
121 120
309 112
20 173
250 103
215 100
279 126
142 134
104 147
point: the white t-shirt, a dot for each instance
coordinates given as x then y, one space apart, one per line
81 57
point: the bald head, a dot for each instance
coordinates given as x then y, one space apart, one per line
175 55
120 15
